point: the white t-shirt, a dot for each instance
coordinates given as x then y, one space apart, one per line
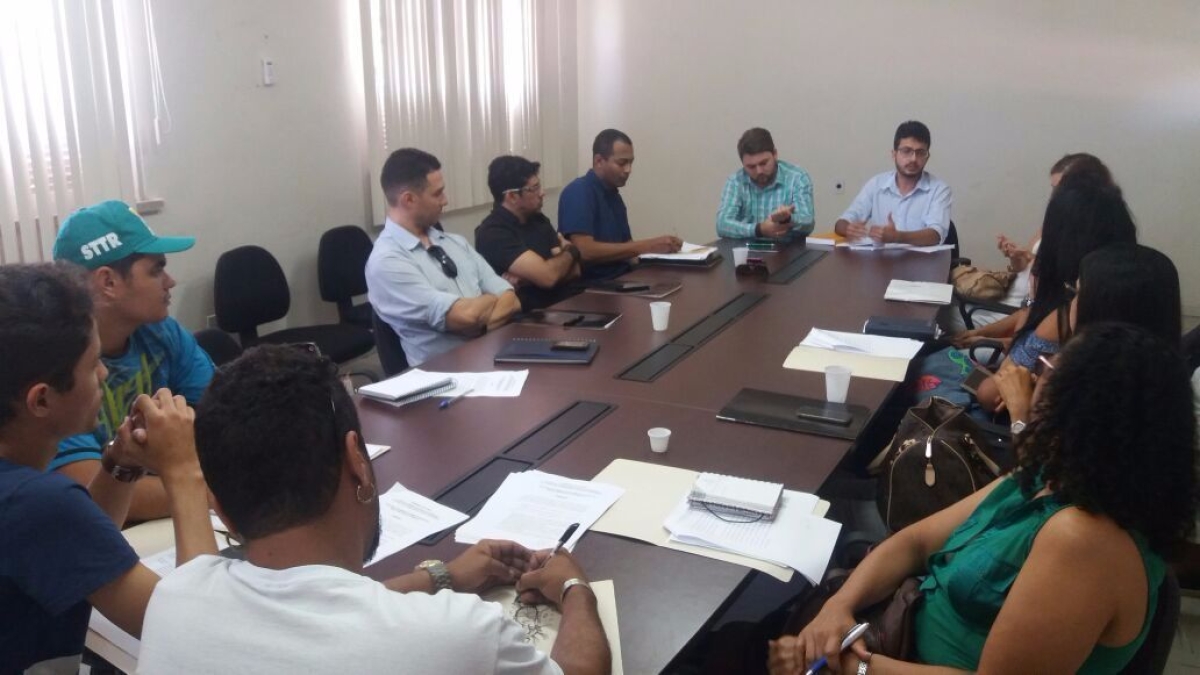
215 615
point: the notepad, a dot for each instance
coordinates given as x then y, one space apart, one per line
544 350
410 387
737 496
689 254
919 291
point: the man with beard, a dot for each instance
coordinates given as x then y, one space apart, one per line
281 447
905 206
767 198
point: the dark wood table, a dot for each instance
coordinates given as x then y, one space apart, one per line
665 597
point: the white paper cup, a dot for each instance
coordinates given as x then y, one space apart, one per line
659 438
740 254
837 383
660 314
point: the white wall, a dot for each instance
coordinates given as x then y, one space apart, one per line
246 164
1006 88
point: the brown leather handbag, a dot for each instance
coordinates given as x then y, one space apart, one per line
975 284
891 632
938 456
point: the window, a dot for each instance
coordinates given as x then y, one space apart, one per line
67 134
469 80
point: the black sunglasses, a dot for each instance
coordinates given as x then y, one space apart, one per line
439 254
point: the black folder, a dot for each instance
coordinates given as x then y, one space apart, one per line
784 411
542 350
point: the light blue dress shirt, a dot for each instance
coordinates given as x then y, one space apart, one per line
409 290
928 205
744 204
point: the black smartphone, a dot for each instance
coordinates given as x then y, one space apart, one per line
830 413
632 288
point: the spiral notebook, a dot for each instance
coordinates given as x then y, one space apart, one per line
736 496
410 387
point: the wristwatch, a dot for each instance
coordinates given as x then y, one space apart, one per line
862 668
573 251
1017 427
438 572
122 474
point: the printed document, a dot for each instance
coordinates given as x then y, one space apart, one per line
406 517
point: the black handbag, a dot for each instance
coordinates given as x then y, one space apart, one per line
938 456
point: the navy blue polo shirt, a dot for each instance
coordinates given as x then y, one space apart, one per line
588 206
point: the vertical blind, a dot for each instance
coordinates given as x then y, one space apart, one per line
467 80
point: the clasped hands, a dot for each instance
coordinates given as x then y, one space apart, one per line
157 434
793 654
779 222
490 563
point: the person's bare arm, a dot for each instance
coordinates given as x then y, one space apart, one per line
469 316
124 599
581 647
506 305
145 500
542 272
594 251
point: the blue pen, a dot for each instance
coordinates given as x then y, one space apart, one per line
851 636
446 403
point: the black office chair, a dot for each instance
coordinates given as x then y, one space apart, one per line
341 261
387 344
249 289
220 346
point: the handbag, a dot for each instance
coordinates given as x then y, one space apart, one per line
938 456
892 620
973 283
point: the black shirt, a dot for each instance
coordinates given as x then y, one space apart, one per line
501 238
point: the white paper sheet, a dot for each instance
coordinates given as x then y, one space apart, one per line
498 383
795 537
930 292
374 451
687 251
534 508
859 343
406 517
541 623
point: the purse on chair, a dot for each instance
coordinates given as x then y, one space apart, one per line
975 284
938 456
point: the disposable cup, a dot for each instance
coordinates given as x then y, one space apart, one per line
837 383
740 254
660 314
659 438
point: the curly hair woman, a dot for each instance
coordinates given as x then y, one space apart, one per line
1055 568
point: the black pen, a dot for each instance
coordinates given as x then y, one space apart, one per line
563 540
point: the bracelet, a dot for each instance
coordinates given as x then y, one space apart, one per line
568 585
862 668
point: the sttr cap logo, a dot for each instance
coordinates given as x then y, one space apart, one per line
104 233
95 247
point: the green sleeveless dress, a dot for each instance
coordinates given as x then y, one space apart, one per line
970 577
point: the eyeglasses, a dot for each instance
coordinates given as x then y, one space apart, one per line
919 153
530 189
1070 289
439 254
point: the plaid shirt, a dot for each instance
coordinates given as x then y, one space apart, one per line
744 204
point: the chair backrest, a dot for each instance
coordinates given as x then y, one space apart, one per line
221 346
1191 348
952 240
249 289
1151 657
387 344
341 264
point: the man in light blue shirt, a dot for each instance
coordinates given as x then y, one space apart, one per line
767 198
431 287
904 206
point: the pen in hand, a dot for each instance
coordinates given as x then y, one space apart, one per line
562 541
851 637
446 403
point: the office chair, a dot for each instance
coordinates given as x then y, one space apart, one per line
221 346
341 261
387 343
249 289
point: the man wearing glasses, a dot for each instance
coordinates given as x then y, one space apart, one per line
519 241
431 287
905 206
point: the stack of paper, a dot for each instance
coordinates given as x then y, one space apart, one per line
795 538
534 509
687 252
406 517
409 387
873 356
869 244
824 239
653 493
919 291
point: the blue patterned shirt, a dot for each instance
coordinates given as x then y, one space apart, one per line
744 204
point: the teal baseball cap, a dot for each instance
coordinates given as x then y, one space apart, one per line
104 233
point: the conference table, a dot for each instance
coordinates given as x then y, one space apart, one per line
726 332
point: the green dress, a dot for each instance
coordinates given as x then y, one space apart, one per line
970 577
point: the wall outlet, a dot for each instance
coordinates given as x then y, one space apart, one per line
839 187
211 321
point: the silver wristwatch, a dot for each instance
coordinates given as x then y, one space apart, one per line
1017 427
438 572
